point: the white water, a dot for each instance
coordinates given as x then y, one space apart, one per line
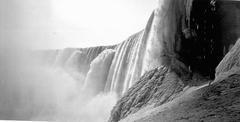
36 92
133 57
143 51
125 66
161 41
97 75
30 91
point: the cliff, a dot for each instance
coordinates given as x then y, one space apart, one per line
156 97
186 44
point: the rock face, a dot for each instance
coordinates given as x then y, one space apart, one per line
184 39
230 22
157 86
163 96
218 102
187 31
162 39
230 63
203 50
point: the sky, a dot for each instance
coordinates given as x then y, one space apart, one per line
54 24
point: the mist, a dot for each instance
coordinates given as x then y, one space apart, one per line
30 91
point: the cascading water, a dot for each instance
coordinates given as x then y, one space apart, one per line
156 45
62 57
141 52
150 48
168 39
175 33
99 69
125 66
162 42
76 61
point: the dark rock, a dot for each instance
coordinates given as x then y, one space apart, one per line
202 51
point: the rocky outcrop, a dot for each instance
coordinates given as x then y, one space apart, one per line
157 86
230 63
161 95
216 103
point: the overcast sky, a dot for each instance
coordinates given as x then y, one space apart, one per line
70 23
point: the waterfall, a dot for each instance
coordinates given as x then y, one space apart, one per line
141 52
97 75
169 39
190 35
76 61
163 41
63 56
125 67
150 48
74 67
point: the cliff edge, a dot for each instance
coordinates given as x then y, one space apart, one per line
161 95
